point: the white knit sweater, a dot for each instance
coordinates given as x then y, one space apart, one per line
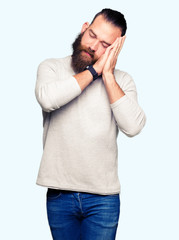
81 127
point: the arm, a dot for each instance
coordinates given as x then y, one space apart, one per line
106 66
80 79
52 93
129 117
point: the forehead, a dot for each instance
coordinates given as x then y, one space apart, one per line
105 30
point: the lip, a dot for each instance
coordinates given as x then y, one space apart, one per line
87 54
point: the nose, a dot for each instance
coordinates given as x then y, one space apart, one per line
94 45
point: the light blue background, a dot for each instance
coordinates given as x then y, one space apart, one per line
32 31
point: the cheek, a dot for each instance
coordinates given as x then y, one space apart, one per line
100 51
85 41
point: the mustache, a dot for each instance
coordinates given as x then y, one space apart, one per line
91 52
88 50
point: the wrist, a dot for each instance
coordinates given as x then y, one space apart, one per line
92 71
108 76
97 68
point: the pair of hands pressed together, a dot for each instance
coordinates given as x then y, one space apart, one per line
107 62
105 65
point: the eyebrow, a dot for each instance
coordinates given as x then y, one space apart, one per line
96 37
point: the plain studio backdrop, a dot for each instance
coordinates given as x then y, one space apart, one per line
32 31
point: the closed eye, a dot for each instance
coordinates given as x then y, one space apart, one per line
92 35
105 45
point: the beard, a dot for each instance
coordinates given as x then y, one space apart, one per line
82 56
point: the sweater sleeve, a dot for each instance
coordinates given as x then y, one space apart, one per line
129 116
50 92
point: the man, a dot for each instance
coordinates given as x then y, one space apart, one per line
85 102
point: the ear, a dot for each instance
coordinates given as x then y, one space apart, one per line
84 27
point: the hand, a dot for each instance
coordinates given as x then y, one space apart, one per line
113 54
107 62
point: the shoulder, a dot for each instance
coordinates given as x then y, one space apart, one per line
54 63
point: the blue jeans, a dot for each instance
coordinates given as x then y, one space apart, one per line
79 215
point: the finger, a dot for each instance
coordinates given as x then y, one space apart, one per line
106 54
113 50
115 46
117 50
110 51
122 39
